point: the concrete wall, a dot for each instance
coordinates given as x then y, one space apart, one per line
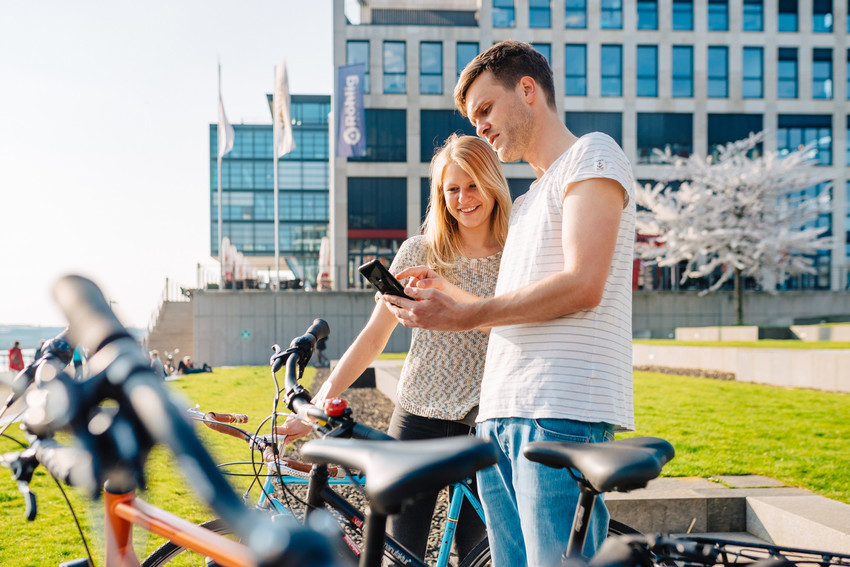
220 317
238 328
818 369
657 314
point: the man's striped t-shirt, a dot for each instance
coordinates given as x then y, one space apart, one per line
578 366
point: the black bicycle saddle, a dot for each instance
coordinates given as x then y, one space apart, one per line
617 466
397 471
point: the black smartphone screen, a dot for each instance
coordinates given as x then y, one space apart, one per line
381 278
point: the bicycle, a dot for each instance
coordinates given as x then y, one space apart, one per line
284 474
628 464
116 416
335 421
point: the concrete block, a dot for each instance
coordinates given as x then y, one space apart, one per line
810 522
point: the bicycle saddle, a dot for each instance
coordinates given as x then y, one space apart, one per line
618 466
397 471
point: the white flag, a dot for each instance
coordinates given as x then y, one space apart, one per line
283 140
226 135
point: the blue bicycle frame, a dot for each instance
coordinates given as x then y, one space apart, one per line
457 493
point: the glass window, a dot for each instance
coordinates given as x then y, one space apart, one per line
796 130
575 66
822 16
575 14
611 14
847 75
358 52
503 14
718 15
395 67
821 73
581 123
753 15
787 16
664 131
437 125
847 158
718 72
431 67
726 128
786 75
683 14
752 79
647 70
647 14
385 135
539 14
466 52
611 83
545 50
377 203
683 71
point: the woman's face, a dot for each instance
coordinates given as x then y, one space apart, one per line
470 206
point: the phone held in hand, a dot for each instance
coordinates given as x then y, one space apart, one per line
381 278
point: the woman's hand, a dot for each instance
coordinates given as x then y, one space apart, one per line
292 429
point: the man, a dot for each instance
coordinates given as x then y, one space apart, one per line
558 364
156 364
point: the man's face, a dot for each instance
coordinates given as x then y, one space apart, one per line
500 116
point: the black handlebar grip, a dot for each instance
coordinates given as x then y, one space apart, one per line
319 329
70 465
91 322
360 431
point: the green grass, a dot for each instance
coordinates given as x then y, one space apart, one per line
52 537
800 437
766 343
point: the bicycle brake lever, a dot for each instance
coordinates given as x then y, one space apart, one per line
31 508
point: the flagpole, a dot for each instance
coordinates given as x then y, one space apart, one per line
218 177
283 144
276 225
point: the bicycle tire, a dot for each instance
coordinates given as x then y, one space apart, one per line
168 551
480 554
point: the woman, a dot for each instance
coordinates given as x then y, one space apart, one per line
462 239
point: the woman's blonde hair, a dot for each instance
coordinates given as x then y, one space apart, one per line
480 162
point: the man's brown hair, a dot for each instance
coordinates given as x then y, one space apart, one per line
509 61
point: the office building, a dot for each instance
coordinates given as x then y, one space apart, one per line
247 177
683 74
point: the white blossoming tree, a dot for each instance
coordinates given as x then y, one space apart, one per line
735 215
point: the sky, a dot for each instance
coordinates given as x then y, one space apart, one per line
104 140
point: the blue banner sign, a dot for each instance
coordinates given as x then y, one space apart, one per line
350 115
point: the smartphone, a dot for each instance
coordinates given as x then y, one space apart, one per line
381 278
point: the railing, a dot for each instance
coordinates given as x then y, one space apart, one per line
174 292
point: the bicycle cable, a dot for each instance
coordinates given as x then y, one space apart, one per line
64 495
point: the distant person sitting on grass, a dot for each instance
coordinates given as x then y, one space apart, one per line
186 366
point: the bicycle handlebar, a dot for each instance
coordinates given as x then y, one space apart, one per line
298 399
114 441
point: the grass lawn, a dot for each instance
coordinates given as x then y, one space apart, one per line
800 437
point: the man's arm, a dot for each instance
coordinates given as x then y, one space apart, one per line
591 218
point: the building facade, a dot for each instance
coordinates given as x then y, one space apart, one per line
247 180
679 74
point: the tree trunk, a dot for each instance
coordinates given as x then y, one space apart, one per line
739 297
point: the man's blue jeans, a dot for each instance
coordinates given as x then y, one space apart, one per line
530 507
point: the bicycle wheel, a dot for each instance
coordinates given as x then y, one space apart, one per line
168 552
616 528
480 554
